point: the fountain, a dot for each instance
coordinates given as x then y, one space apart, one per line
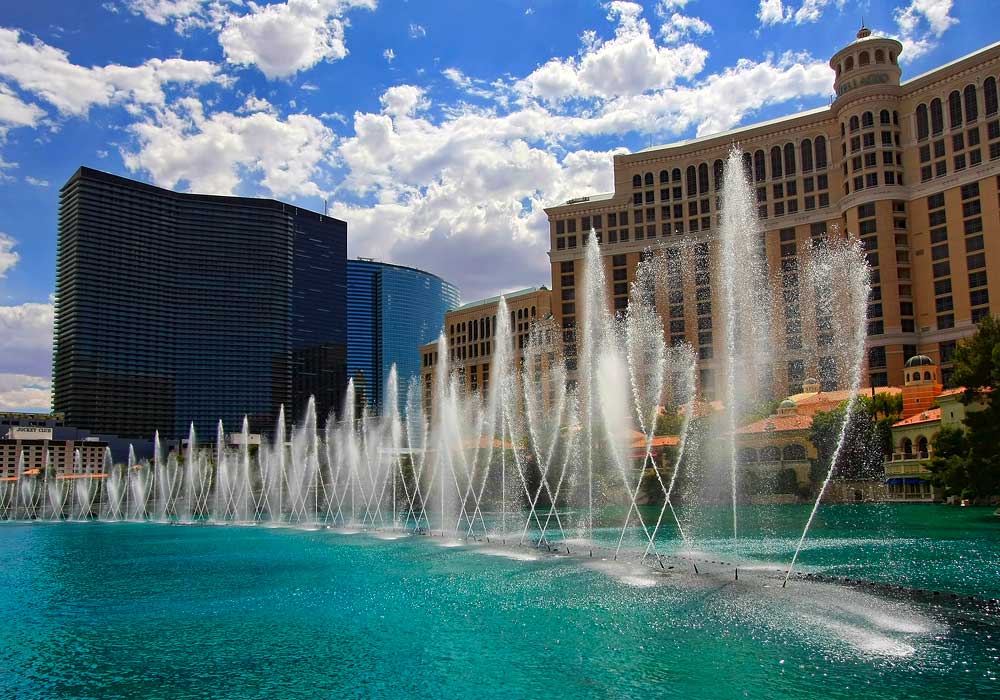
552 452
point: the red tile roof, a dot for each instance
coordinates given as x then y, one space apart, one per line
928 416
778 424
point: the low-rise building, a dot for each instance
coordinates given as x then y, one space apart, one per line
926 409
470 331
32 449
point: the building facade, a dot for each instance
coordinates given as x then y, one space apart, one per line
391 311
470 331
30 449
912 168
172 308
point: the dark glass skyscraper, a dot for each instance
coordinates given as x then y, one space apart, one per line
174 307
391 311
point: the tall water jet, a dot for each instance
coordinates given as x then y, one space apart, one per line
840 272
746 305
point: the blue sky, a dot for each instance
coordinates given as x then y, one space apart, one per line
439 130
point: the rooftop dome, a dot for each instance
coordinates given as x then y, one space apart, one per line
787 403
809 380
919 361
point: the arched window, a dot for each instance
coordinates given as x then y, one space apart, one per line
927 376
843 129
703 178
854 123
923 129
637 181
921 446
907 446
520 314
776 161
849 63
990 95
664 177
770 454
747 166
879 56
758 166
937 117
820 152
675 175
971 107
883 117
864 59
955 109
717 169
895 118
907 376
839 70
789 159
867 120
533 311
649 179
793 452
892 57
748 454
692 181
807 156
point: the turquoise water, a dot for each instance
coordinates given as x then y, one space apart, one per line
149 611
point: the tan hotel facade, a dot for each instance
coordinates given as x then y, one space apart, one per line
470 331
912 168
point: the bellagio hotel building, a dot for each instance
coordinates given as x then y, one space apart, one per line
912 168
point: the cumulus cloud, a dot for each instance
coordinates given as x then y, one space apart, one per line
776 12
8 256
73 89
22 392
212 153
630 63
678 27
185 14
35 181
921 24
15 112
26 339
285 38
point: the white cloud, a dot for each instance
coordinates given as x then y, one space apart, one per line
920 24
26 339
389 55
15 112
22 392
184 14
678 27
773 12
628 64
417 31
36 182
213 153
73 89
8 256
667 7
285 38
256 104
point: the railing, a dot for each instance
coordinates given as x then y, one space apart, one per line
917 469
903 456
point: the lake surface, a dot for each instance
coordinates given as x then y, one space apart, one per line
95 610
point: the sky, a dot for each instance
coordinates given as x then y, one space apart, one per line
438 129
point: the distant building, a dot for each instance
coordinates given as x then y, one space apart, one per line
470 331
911 167
391 311
173 308
926 409
33 450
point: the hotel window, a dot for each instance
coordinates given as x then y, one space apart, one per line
571 226
971 107
922 126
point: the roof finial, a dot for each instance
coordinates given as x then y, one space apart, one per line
864 32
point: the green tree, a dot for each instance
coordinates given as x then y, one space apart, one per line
861 456
967 462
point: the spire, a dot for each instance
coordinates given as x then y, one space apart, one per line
864 32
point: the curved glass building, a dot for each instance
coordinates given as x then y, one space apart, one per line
173 307
391 311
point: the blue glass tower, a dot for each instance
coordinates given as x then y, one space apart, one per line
391 311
